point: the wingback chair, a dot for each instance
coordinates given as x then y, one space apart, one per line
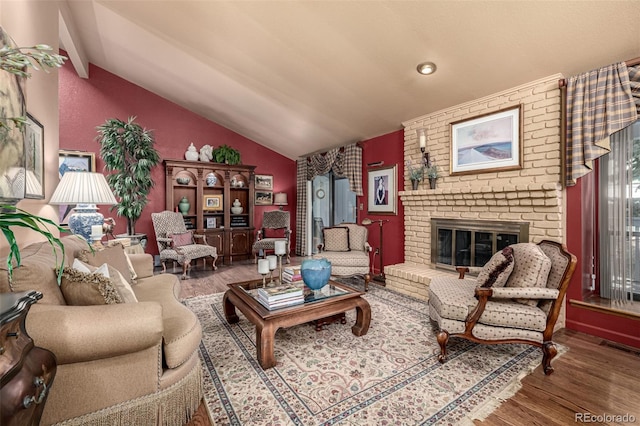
273 222
346 247
177 244
516 298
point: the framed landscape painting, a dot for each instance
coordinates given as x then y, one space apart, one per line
487 143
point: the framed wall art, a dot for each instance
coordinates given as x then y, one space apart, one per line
264 182
264 198
212 202
34 152
382 190
70 161
487 143
212 222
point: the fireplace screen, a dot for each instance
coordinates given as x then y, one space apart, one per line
472 243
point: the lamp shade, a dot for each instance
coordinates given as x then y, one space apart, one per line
280 199
83 188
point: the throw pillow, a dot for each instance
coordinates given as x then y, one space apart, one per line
117 280
497 270
336 238
113 255
181 239
531 269
82 289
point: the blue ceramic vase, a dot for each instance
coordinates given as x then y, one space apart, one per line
315 273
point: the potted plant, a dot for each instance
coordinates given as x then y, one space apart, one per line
16 61
416 173
129 155
432 174
226 154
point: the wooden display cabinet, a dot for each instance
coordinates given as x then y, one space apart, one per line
210 190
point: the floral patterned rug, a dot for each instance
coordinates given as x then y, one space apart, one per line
389 376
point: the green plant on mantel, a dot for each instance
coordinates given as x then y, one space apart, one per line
128 152
226 154
16 61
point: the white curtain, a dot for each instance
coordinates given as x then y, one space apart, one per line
619 218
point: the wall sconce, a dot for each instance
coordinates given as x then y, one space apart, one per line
422 140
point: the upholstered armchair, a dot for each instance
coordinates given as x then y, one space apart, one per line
346 247
273 222
176 244
516 298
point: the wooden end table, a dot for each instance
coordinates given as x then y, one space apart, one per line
336 298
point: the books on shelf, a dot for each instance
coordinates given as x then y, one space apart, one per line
281 296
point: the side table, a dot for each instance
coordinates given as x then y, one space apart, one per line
26 371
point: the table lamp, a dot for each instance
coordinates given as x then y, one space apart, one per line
86 189
280 199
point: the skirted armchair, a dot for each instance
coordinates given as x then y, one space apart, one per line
346 247
516 298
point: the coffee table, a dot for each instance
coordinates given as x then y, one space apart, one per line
334 298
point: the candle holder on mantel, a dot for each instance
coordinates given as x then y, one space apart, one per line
280 250
263 269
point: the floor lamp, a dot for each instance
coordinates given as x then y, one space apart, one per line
366 221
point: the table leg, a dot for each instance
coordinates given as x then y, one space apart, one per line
229 309
363 312
265 336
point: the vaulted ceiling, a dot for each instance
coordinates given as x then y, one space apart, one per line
302 76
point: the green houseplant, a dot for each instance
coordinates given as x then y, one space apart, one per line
16 61
129 155
226 154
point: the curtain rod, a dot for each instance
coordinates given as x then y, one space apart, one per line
630 63
341 148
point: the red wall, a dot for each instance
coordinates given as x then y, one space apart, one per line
611 327
390 149
87 103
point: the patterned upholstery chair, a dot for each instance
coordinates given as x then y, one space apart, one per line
177 244
516 298
274 221
346 247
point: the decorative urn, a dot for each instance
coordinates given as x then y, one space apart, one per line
184 205
236 208
192 153
315 273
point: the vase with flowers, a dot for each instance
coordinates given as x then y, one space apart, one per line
416 173
432 173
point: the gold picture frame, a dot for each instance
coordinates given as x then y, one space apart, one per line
212 203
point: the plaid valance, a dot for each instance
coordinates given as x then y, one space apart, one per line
599 103
345 162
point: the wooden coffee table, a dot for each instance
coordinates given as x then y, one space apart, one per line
336 298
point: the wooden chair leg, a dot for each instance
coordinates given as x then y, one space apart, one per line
185 266
443 339
549 351
367 280
215 259
164 266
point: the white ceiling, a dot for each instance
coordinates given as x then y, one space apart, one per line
302 76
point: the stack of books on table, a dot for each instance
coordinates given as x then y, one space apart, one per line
291 274
281 296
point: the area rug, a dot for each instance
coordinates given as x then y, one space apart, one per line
389 376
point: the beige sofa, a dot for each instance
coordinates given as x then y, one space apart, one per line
126 363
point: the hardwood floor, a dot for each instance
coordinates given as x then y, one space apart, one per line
593 378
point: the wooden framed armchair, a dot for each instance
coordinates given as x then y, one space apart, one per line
516 298
176 244
273 222
347 248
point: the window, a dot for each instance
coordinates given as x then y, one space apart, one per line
619 218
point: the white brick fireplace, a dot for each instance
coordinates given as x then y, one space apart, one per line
532 194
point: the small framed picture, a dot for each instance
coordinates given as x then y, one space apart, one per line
212 202
264 182
264 198
212 222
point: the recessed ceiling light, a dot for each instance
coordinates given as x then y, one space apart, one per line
426 68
